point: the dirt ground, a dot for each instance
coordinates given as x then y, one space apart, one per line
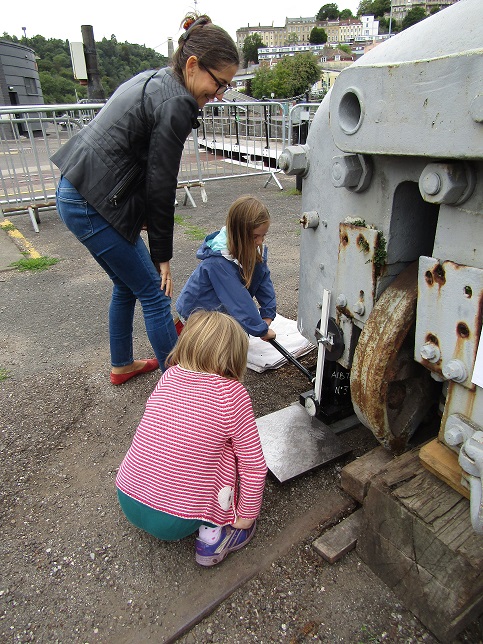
73 569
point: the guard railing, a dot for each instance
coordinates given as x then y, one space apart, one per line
234 140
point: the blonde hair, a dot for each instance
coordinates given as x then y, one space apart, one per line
212 342
245 214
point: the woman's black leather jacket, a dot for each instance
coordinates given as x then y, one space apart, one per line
125 162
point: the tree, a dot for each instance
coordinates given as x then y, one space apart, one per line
292 38
414 15
117 63
317 36
328 12
250 48
291 76
345 14
376 8
345 48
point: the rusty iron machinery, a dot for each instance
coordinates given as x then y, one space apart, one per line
392 229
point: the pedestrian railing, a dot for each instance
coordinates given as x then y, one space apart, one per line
234 140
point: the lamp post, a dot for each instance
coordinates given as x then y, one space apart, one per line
390 20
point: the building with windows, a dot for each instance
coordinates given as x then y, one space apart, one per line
400 8
296 31
19 75
273 54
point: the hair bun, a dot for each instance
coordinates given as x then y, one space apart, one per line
188 22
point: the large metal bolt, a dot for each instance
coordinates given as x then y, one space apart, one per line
351 171
455 370
446 183
456 431
294 160
310 219
476 108
359 308
431 183
430 352
346 171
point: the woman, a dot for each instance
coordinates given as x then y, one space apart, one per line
119 174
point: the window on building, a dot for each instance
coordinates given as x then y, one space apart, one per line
30 85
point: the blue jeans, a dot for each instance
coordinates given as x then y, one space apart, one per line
133 275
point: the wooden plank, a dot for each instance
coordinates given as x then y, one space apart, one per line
402 468
340 539
443 463
357 475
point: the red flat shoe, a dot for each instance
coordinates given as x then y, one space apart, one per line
121 378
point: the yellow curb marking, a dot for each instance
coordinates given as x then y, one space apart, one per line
20 239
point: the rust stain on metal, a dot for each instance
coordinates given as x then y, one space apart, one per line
462 330
428 276
439 275
345 311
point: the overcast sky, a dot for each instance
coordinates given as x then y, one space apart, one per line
145 22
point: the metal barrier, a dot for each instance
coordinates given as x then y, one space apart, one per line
234 140
301 116
29 135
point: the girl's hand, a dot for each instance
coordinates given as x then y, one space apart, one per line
243 524
166 281
270 335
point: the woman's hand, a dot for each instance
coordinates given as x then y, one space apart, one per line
166 281
243 524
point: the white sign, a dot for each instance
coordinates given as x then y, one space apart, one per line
477 378
78 60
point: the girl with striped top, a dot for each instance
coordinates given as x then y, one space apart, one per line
196 461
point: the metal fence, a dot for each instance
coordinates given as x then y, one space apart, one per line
234 140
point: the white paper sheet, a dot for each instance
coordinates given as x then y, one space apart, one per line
262 356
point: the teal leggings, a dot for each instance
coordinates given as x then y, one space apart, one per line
161 525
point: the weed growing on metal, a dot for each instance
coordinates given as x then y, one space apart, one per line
380 253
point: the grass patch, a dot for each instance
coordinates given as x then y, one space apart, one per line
4 374
194 232
35 263
293 192
7 226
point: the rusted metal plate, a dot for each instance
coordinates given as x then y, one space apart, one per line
356 274
449 314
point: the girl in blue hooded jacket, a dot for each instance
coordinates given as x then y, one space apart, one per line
233 271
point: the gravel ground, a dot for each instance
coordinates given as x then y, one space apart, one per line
73 569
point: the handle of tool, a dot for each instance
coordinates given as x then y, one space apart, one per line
291 359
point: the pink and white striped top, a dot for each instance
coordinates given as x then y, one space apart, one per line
197 436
